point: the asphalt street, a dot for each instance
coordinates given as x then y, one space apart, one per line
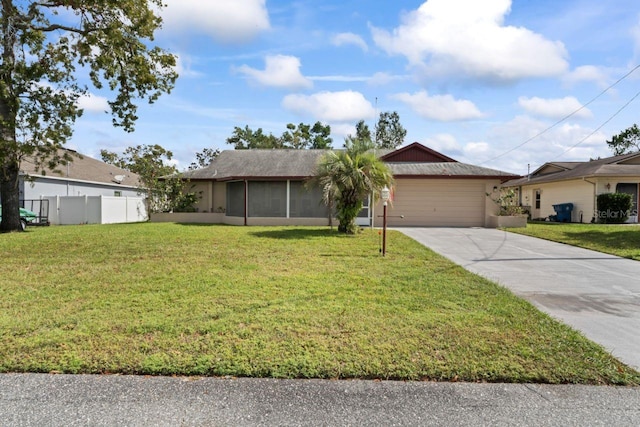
113 400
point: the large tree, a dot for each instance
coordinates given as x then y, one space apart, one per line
389 131
246 138
204 158
46 47
302 136
347 177
306 136
159 178
627 141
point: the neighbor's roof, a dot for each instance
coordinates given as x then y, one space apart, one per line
299 164
84 168
616 166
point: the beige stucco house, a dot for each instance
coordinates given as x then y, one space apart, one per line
267 187
579 183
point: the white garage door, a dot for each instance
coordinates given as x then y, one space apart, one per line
438 202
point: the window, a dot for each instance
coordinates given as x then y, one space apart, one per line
538 192
306 202
268 199
117 193
235 198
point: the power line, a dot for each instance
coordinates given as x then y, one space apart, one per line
599 127
569 116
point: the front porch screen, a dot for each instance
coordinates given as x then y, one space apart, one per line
306 202
268 199
235 198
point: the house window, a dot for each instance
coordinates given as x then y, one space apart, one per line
117 193
306 202
268 199
235 198
538 199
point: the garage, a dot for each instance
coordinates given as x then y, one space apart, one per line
438 202
434 190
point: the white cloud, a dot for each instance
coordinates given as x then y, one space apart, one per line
381 79
93 103
443 142
226 21
349 39
557 108
588 73
476 150
443 108
345 106
183 67
280 71
467 38
549 146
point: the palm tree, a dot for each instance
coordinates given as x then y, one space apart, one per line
347 177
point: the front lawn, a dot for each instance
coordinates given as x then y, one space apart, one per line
170 299
620 240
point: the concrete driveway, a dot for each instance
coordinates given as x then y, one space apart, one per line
595 293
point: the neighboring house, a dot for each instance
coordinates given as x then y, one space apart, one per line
579 183
83 191
267 187
84 176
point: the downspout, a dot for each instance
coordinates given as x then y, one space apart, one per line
246 200
595 198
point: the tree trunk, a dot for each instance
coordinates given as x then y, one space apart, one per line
10 197
9 158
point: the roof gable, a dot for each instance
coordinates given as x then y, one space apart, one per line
549 168
416 153
631 160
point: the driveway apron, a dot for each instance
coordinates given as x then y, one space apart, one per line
595 293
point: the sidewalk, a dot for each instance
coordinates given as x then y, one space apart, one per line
112 400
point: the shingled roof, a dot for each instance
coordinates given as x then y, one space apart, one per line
84 168
623 165
245 164
300 164
446 169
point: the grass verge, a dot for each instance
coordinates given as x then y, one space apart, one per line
620 240
171 299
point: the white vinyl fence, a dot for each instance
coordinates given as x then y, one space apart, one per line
69 210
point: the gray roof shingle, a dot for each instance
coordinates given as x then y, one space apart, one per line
84 168
610 166
289 164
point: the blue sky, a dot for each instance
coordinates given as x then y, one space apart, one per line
472 79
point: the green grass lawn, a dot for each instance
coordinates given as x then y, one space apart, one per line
170 299
620 240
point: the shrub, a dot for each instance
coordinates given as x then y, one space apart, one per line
613 208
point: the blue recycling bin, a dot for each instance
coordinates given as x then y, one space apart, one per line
563 212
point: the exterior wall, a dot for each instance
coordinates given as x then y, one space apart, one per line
582 193
219 197
45 187
439 202
220 218
189 217
289 221
203 190
423 202
579 192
